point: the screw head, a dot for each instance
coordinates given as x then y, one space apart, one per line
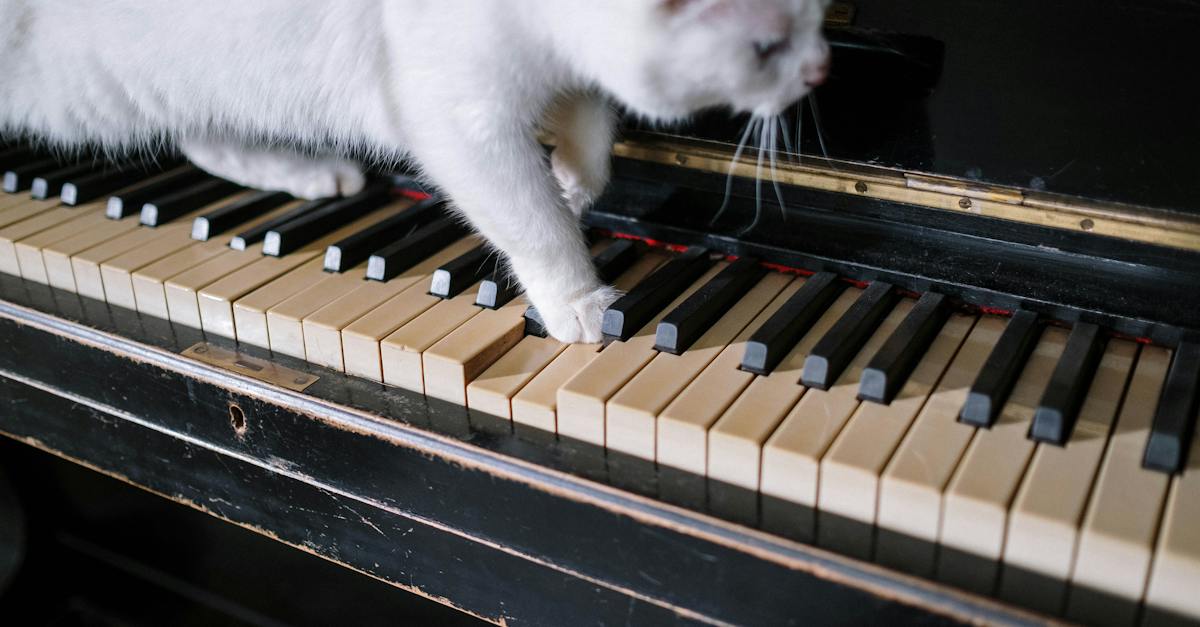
1087 224
965 203
860 187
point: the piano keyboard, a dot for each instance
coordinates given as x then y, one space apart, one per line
1058 450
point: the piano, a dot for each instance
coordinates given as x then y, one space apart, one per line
927 350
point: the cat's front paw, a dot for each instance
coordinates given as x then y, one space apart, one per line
577 319
579 187
323 178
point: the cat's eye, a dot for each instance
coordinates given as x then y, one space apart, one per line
769 48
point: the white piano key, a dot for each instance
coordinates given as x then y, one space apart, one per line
975 513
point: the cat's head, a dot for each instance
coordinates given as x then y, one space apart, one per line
671 58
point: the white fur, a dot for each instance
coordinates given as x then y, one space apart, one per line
249 88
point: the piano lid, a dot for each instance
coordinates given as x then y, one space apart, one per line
1096 100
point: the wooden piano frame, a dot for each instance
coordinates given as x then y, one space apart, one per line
451 505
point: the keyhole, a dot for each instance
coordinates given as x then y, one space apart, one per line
237 418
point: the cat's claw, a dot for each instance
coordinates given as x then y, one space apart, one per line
578 320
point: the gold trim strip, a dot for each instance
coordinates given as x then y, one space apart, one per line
1110 219
254 367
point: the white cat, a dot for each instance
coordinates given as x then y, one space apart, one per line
460 87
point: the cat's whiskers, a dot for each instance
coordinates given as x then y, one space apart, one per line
776 123
760 124
820 135
800 129
787 139
762 130
733 163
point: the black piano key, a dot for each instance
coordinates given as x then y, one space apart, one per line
15 156
995 381
610 263
633 310
1054 418
842 342
256 233
461 272
615 259
90 185
237 212
534 325
349 252
131 202
93 185
687 322
497 290
50 184
293 235
887 371
167 208
1175 419
392 260
20 177
776 337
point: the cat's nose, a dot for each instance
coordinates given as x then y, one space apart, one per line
815 75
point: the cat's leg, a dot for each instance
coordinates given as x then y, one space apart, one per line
583 126
277 170
496 175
